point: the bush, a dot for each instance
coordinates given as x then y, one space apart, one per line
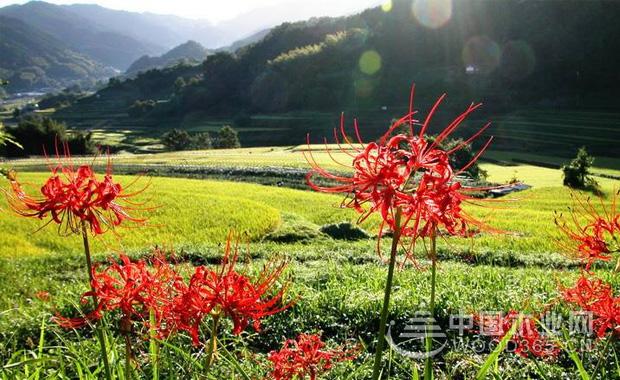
344 231
577 172
228 138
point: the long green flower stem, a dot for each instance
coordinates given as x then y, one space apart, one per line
212 349
428 363
100 337
127 357
386 298
153 345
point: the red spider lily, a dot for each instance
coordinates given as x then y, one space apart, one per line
229 293
526 339
43 295
305 357
595 296
134 288
405 172
592 235
73 196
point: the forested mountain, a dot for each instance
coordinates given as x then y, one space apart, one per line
245 41
511 54
31 59
189 52
368 60
82 35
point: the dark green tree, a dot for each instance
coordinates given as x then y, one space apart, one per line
179 83
176 140
39 135
201 141
228 138
577 172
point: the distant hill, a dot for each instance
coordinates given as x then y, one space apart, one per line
81 34
189 52
32 60
168 30
253 38
161 30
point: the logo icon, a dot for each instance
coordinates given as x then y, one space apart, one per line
411 340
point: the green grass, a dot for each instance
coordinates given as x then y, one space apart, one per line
196 212
339 283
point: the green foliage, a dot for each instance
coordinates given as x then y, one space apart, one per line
462 156
181 140
61 99
228 138
577 171
179 83
141 108
331 40
6 138
39 135
176 140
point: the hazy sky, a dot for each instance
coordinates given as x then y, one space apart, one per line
220 10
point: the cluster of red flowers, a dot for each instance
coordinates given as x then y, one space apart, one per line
306 357
133 287
595 296
526 339
229 293
405 173
73 196
137 289
591 234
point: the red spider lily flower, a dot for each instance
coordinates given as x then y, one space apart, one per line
134 288
72 196
592 234
43 295
595 296
526 339
306 357
405 172
227 292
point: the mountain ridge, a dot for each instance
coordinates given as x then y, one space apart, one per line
188 52
31 59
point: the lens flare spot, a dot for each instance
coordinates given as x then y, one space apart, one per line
481 55
387 6
370 62
518 59
432 13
